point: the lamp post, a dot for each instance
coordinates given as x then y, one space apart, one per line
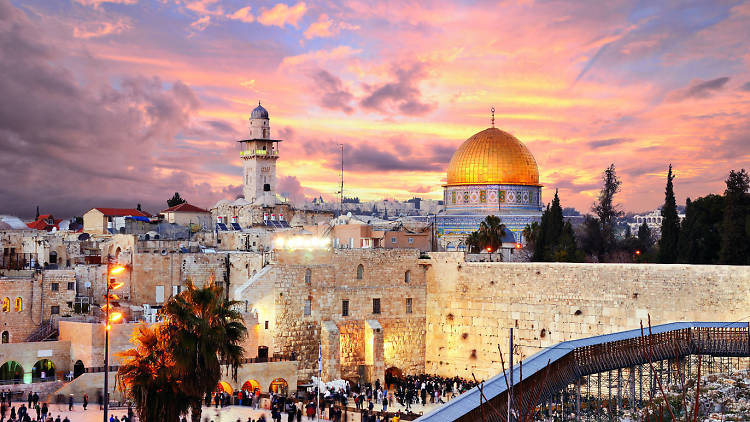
112 284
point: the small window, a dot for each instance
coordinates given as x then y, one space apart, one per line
411 240
6 304
55 287
344 308
308 305
360 272
266 325
376 305
393 239
308 276
408 305
19 304
71 285
266 187
55 310
407 277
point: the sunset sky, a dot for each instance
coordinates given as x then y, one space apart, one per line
112 103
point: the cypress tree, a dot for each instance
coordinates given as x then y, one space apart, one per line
606 209
670 225
644 237
734 234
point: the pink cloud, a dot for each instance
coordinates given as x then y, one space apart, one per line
281 14
243 15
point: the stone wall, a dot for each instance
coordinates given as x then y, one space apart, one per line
472 305
37 301
279 292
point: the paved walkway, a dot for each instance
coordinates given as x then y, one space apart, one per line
210 414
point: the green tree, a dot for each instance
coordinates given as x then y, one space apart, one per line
700 233
554 238
474 242
670 225
490 235
645 238
204 331
148 377
176 199
566 249
735 239
606 209
491 232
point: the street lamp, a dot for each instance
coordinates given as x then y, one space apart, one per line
112 284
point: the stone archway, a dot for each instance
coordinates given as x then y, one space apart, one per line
5 337
279 386
392 375
78 369
251 386
224 387
11 372
43 370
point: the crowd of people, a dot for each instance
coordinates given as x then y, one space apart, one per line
375 402
34 410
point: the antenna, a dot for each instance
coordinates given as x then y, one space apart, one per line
493 116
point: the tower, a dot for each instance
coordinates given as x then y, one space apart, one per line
259 154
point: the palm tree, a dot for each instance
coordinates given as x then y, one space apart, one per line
148 378
205 332
474 242
491 232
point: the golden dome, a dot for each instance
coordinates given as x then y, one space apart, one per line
490 157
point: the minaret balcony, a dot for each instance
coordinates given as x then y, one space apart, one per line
259 153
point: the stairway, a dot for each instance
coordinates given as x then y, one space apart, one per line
45 331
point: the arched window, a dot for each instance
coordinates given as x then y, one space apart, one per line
308 276
6 337
6 304
407 276
360 272
19 304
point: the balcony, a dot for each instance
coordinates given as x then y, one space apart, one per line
259 153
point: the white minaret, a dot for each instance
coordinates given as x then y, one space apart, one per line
259 155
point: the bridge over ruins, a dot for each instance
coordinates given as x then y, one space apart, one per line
612 371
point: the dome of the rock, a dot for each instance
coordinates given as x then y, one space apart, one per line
492 156
491 173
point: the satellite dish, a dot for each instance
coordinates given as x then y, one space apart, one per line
349 214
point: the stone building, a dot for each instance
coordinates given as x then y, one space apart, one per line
364 307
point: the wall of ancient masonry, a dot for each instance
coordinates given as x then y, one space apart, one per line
472 305
279 292
37 301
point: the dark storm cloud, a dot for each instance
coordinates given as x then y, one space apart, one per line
401 96
745 87
607 142
332 93
69 147
699 89
388 156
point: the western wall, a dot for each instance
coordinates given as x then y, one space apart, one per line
461 311
472 305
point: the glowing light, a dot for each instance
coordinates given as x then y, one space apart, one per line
116 270
302 242
108 327
518 246
489 249
116 285
115 316
637 252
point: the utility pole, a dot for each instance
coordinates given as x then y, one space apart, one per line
510 392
